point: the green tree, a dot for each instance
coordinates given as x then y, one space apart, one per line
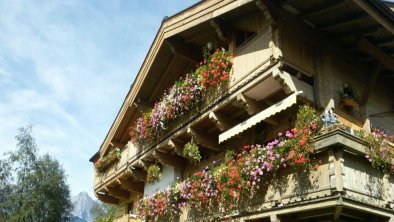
103 212
37 187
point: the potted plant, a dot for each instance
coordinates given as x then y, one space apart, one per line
154 174
192 152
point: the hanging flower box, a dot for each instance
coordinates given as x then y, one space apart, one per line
185 98
380 149
104 163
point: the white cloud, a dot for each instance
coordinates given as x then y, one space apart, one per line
66 66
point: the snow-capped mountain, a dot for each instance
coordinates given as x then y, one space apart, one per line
82 204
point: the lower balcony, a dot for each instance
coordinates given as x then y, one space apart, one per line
345 187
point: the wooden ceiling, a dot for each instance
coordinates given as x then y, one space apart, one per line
353 30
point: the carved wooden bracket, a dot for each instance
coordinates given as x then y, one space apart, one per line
204 140
119 193
178 148
137 174
264 9
252 107
170 160
221 121
132 186
107 198
221 29
179 47
117 144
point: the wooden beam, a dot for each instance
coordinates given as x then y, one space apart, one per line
251 105
274 218
117 144
221 28
164 76
345 21
132 186
119 193
328 4
264 9
204 140
376 14
107 198
221 121
138 174
178 148
170 160
364 31
374 51
179 47
384 40
370 84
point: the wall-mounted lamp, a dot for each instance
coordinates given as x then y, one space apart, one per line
209 45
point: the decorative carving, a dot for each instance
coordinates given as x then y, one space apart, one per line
329 118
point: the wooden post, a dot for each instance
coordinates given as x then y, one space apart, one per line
335 164
274 218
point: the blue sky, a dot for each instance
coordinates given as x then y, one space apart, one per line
66 66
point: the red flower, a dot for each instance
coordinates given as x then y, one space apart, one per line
302 142
313 126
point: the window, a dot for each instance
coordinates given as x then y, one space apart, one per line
130 207
243 37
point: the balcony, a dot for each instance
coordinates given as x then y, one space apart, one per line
341 188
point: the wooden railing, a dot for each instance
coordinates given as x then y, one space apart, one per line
343 170
250 56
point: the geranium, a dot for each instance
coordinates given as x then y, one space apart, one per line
240 175
379 150
186 94
216 70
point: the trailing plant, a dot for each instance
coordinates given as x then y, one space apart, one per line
240 175
379 150
188 93
154 174
103 163
192 152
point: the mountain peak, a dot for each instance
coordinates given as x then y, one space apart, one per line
82 204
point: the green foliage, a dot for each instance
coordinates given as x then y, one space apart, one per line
38 190
108 160
306 116
192 152
380 149
154 174
103 212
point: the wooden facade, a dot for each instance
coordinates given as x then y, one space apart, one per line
294 52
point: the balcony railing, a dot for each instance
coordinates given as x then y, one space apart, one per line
343 171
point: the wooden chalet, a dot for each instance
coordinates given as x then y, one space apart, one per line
285 53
